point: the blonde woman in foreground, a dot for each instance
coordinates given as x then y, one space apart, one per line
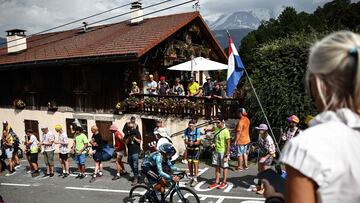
323 163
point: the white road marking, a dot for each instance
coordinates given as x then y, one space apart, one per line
16 184
220 200
197 187
201 196
97 189
201 171
229 187
74 174
230 197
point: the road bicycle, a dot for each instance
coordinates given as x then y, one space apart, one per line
144 193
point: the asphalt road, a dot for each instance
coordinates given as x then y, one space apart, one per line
21 187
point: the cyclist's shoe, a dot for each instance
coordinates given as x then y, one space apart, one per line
194 183
222 186
214 185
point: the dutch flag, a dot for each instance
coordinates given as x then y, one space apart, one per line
235 69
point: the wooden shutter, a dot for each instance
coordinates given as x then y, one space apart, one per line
33 125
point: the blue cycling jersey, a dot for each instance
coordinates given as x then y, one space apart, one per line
155 162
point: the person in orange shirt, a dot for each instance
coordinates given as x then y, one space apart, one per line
242 140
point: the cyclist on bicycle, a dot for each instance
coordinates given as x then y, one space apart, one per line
153 165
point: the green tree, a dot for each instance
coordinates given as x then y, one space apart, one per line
278 76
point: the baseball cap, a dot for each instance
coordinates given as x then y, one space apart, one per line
262 127
58 127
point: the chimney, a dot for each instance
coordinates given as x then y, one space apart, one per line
16 40
136 12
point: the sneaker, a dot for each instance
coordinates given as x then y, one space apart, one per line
78 176
214 185
29 171
35 174
10 173
82 176
184 161
100 174
194 183
66 175
115 177
17 167
51 175
93 178
46 175
222 186
123 173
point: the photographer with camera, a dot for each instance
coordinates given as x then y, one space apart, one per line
133 140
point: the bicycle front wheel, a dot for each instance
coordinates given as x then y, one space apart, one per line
184 195
138 194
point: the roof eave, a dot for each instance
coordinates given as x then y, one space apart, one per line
78 60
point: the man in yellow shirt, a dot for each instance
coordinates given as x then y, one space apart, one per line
193 88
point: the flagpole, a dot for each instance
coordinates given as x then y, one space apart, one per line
263 111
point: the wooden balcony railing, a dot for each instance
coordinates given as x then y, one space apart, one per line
183 106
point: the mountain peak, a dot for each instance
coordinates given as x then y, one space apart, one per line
249 19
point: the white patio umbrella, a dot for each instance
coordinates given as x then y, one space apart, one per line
199 64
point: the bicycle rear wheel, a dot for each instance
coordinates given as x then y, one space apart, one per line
184 195
138 193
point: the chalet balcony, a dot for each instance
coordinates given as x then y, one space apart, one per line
180 106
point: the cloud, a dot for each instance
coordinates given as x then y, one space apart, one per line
38 15
213 6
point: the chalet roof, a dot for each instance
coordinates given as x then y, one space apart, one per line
117 39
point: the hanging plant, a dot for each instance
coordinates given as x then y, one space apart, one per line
151 101
131 102
19 104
